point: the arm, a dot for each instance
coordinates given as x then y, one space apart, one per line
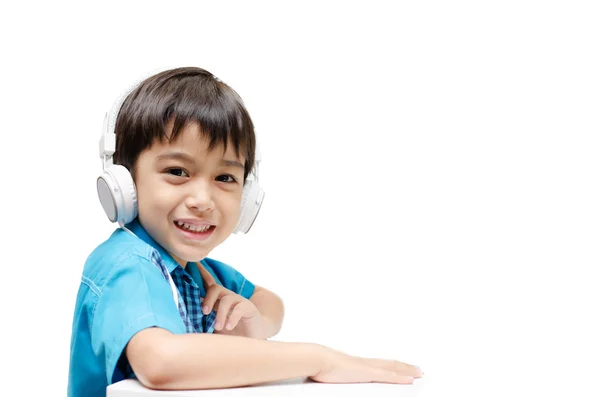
258 317
165 361
162 360
271 309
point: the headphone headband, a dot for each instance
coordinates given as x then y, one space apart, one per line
107 144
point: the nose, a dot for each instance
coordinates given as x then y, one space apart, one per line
200 196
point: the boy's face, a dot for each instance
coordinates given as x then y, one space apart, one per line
188 197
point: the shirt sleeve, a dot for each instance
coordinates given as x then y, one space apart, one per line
230 278
135 296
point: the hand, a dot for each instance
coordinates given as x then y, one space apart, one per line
236 315
342 368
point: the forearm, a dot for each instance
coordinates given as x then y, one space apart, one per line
271 309
205 361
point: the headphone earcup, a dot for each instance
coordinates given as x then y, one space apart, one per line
117 194
252 198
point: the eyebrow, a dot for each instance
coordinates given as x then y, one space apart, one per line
187 158
232 163
175 156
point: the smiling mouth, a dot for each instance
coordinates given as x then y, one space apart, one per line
199 229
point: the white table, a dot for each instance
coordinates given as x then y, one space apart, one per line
294 387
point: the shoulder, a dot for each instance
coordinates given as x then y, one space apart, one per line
120 250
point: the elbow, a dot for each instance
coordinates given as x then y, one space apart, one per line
150 355
277 320
281 312
154 373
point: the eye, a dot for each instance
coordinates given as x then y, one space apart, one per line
177 172
226 178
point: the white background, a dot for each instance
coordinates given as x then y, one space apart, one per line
430 168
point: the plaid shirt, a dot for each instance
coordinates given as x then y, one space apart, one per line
189 304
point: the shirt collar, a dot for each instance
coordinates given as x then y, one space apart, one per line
192 269
137 229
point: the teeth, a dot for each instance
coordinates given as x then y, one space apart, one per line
193 228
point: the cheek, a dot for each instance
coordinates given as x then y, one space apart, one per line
231 207
153 196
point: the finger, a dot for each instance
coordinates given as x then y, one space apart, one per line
381 375
238 311
419 371
398 367
207 278
406 369
226 303
210 300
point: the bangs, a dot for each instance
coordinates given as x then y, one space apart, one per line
183 96
219 112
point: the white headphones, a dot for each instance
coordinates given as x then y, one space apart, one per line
116 189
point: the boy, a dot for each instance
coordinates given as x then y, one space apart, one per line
151 305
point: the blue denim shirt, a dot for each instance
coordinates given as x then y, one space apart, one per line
125 288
